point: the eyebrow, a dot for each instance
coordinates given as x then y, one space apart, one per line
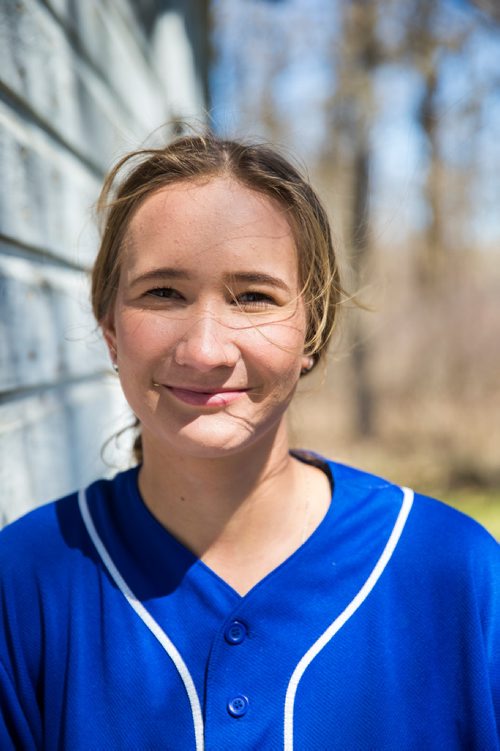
258 277
248 277
161 273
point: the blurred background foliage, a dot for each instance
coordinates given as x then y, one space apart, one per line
394 108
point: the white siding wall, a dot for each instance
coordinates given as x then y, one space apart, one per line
80 83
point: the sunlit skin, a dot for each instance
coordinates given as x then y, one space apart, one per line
208 333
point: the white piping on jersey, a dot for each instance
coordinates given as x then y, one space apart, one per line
147 619
337 624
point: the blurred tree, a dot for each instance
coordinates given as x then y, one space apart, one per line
428 38
353 112
490 9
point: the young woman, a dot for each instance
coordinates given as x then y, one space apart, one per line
227 593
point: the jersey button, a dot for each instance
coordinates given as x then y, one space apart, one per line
235 632
238 706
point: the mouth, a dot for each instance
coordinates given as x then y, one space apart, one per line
214 398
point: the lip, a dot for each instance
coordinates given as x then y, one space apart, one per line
197 398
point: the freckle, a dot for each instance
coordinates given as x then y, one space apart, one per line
182 498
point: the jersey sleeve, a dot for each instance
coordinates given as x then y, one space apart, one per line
21 639
470 571
490 621
15 732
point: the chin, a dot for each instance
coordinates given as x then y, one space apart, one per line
213 444
213 439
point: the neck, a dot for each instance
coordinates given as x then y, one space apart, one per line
242 513
210 492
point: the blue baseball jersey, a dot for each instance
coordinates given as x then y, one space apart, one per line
379 632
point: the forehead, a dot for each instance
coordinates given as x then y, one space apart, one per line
217 219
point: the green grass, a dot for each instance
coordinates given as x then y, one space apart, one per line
482 505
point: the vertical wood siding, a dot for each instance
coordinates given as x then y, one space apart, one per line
80 84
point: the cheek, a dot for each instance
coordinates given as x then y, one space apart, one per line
142 335
279 347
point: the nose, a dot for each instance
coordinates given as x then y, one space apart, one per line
207 344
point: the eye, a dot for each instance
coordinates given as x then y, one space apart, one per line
254 300
164 292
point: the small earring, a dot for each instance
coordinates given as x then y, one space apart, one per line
306 368
114 366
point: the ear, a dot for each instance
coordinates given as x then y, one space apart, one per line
109 333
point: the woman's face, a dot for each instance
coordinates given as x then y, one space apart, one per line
208 325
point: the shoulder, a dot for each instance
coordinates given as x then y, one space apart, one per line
431 525
37 535
455 552
37 566
440 553
41 543
49 572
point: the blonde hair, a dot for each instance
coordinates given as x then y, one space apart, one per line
256 166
